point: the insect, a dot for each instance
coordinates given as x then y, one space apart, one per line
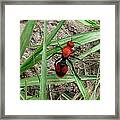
60 65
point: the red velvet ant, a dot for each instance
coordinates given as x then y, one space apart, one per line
61 66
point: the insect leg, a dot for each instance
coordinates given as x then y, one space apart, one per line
73 69
78 59
75 57
57 60
53 55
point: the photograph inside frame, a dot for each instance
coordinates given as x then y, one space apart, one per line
60 59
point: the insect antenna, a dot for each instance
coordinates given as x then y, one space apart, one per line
77 43
74 41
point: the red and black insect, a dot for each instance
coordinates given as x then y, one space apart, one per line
60 65
61 68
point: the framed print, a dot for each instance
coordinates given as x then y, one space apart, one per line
60 59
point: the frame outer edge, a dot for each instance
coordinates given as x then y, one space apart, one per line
59 2
0 65
2 60
118 97
117 16
2 56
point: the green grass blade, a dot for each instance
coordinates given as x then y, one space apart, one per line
79 82
32 98
90 23
92 50
38 59
82 38
54 32
29 62
93 96
57 49
43 79
98 98
67 97
25 89
25 36
22 95
52 79
93 23
83 22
